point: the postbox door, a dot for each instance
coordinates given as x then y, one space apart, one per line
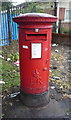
34 65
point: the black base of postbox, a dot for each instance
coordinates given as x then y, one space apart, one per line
35 100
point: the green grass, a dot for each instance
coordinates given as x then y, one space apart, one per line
10 75
0 69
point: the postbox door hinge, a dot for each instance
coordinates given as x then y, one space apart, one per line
47 61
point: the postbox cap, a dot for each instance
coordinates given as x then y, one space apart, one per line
35 17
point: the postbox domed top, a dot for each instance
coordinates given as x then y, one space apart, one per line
35 17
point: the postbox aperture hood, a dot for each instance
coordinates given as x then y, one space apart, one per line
35 17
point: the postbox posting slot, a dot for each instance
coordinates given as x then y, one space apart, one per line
36 36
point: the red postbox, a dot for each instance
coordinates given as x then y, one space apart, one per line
35 32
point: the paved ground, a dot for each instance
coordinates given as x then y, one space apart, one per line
58 107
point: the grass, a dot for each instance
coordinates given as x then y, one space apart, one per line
0 69
9 74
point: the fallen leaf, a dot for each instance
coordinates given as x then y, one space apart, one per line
66 95
61 87
11 104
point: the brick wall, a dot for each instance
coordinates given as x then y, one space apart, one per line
61 13
64 24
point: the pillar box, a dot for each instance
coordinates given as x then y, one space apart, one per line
35 33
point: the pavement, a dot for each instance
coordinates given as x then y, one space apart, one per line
58 107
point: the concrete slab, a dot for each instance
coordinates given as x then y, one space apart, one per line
55 109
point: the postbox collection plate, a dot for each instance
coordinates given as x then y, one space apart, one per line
36 50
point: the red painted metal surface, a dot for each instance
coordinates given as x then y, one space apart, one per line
34 72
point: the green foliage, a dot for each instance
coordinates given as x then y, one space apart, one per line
14 57
5 5
36 7
30 7
67 31
54 27
61 30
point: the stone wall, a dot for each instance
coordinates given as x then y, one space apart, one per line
63 39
